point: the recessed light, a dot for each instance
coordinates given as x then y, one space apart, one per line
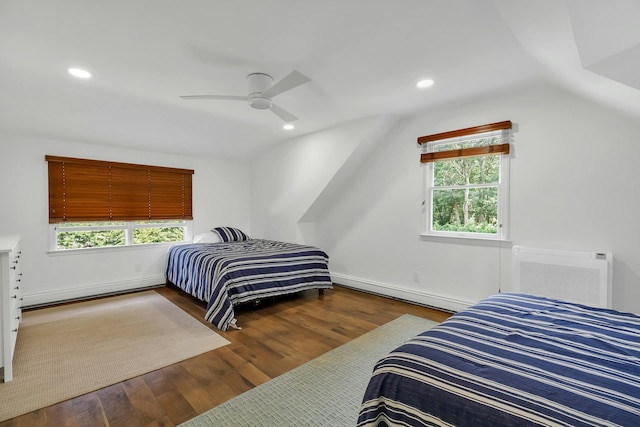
80 73
288 126
425 83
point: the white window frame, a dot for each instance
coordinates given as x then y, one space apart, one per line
129 227
502 233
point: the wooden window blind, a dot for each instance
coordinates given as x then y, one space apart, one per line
94 190
502 148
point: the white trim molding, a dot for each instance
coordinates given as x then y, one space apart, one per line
90 291
393 291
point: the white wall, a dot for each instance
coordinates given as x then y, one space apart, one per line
294 180
220 197
574 173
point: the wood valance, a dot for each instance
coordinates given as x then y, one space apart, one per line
466 131
498 148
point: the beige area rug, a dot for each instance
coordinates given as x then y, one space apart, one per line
73 349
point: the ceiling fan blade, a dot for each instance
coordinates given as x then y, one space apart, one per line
226 97
283 114
291 80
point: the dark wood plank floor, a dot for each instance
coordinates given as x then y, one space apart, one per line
277 336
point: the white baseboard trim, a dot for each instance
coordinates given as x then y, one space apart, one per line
409 295
84 292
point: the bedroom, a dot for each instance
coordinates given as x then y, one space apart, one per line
358 182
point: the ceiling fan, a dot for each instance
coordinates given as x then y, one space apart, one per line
261 90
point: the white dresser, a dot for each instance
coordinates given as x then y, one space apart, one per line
10 301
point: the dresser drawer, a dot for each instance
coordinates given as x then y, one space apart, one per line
16 317
10 301
15 270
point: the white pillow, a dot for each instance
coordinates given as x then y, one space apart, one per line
208 237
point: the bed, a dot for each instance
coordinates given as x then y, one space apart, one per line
513 360
229 273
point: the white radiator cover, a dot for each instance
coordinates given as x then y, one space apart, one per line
582 277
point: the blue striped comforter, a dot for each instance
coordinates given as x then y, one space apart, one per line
513 360
227 274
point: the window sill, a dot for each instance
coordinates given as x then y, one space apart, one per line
85 251
466 240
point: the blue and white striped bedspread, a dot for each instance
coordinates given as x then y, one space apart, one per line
226 274
513 360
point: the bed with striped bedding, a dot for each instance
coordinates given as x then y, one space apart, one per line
513 360
226 274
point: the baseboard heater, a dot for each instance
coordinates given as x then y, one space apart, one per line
582 277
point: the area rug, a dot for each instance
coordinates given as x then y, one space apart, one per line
69 350
326 391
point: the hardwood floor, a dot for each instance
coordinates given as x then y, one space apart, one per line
277 336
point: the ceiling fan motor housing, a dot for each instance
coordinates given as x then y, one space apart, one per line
261 90
258 83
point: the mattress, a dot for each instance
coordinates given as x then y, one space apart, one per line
229 273
513 360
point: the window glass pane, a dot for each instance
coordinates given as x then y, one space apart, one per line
472 210
467 170
90 224
160 221
480 142
157 235
90 239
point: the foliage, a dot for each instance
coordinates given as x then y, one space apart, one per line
102 238
90 239
469 228
157 235
465 196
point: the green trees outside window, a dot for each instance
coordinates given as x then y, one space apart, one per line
90 239
465 194
108 234
158 235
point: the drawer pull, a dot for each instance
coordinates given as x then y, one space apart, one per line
17 317
14 296
14 330
16 288
13 268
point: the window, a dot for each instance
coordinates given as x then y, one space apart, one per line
466 182
80 235
106 204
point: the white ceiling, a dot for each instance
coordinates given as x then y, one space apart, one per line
364 58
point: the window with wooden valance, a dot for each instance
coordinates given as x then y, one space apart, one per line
94 190
467 181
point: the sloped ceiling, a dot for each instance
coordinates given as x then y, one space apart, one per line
364 58
591 47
